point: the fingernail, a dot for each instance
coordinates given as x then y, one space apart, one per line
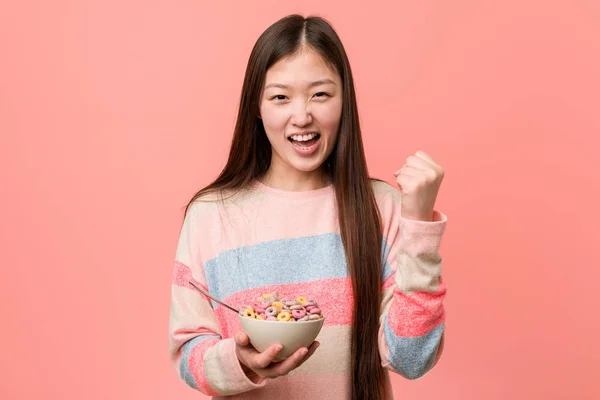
303 352
278 347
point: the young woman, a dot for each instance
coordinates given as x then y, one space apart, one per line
295 211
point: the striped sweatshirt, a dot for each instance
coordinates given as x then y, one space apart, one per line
265 240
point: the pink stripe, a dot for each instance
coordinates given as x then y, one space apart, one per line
228 323
182 274
302 387
266 215
196 365
390 281
334 296
415 314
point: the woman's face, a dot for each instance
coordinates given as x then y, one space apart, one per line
301 107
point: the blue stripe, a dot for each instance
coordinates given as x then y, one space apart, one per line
387 269
412 356
184 368
277 262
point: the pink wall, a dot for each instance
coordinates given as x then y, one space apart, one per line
113 113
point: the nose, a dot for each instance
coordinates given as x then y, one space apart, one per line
301 115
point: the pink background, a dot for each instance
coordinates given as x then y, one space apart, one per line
113 113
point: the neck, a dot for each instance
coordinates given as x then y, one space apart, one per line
294 180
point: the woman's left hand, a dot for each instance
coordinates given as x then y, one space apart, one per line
419 180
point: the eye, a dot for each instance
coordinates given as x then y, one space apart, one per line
321 95
278 97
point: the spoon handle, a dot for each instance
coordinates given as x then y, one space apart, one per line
204 292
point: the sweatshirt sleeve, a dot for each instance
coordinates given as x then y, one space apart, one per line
411 333
203 359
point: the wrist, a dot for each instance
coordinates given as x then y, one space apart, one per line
249 372
418 217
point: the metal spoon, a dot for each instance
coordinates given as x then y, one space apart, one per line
204 292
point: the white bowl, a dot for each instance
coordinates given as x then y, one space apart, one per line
292 335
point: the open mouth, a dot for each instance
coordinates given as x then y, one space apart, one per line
305 141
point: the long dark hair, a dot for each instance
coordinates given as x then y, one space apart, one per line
359 218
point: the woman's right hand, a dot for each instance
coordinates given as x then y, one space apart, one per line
262 365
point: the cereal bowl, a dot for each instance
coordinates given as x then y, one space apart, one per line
291 335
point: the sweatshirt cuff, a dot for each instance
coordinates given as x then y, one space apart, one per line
239 380
418 237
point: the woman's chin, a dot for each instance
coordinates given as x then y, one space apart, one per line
306 165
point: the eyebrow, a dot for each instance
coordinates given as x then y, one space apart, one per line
313 84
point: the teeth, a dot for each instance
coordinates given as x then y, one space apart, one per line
304 138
